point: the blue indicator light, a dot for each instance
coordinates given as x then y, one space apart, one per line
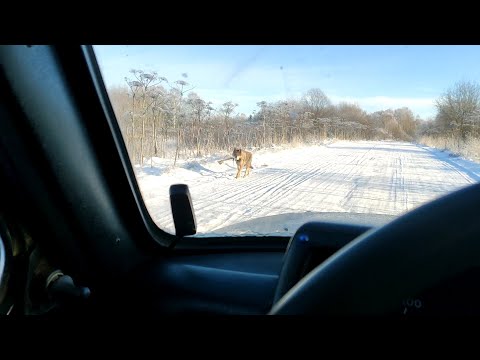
303 238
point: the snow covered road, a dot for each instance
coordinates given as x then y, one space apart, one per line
380 177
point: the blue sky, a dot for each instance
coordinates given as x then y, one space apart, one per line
374 76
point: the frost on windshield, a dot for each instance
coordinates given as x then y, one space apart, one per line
318 152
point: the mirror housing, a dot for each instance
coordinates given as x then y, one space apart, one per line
182 210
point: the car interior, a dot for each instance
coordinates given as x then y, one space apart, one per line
76 237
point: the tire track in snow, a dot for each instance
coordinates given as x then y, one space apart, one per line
264 193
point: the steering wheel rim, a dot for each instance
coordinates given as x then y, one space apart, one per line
376 271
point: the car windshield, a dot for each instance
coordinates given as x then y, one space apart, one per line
270 137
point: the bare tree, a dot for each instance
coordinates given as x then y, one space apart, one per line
141 88
406 121
263 111
457 107
200 110
317 103
226 111
179 89
351 114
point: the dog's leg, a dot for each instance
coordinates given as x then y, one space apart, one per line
243 165
248 166
239 169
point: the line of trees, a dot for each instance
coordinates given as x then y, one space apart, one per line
159 118
458 114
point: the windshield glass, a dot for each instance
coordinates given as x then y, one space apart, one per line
269 137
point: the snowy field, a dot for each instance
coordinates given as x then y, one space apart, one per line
381 177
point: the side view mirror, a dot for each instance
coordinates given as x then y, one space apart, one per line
182 210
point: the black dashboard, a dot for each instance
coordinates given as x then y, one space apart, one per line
251 281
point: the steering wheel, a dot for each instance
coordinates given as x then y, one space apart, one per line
376 271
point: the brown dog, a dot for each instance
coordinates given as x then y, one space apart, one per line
243 159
